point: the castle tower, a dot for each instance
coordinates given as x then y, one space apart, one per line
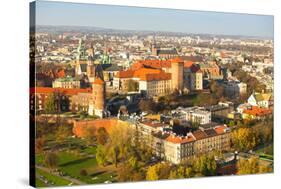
97 106
80 57
154 49
90 67
177 74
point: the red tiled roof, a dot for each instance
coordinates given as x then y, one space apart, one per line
176 60
60 74
188 64
98 81
257 111
145 74
152 63
199 134
48 90
180 140
159 64
152 124
220 129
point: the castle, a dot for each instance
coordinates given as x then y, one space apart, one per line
90 100
161 77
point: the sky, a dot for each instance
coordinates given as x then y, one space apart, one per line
153 19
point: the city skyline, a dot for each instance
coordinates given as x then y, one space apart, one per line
150 19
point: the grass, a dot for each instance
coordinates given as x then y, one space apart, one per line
71 162
73 168
39 183
266 152
57 181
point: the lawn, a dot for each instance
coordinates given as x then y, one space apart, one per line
79 157
39 183
71 164
266 152
55 180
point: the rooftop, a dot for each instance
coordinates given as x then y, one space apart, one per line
48 90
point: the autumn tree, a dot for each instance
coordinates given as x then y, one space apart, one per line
90 134
177 173
51 160
244 139
64 131
158 171
50 104
132 85
102 136
216 89
39 144
101 155
84 172
252 166
205 165
147 105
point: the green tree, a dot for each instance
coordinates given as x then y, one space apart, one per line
231 123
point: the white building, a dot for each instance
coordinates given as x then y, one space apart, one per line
67 82
263 100
193 114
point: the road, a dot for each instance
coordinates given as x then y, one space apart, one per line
68 178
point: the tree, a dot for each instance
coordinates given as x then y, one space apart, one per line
124 173
205 165
101 155
251 166
39 144
114 154
50 104
90 134
177 173
102 136
83 172
63 132
51 160
147 105
231 123
216 89
158 171
133 162
132 85
152 173
244 139
188 172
